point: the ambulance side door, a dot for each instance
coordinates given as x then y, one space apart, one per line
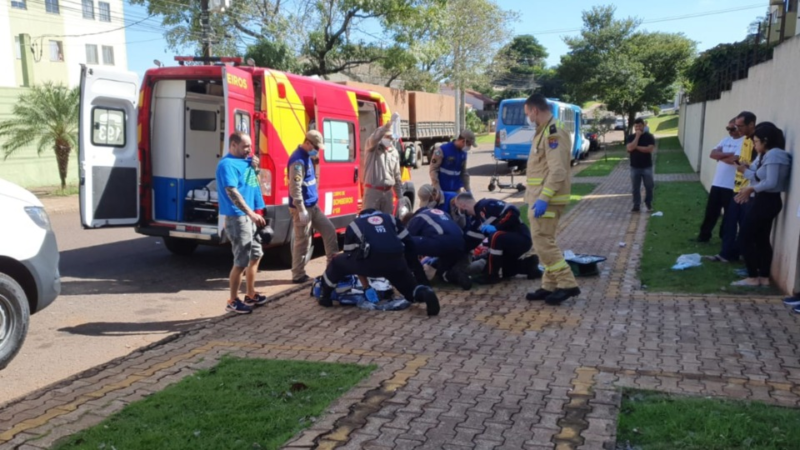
338 177
108 155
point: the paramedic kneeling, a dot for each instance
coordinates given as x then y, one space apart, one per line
435 234
509 238
376 245
239 197
303 206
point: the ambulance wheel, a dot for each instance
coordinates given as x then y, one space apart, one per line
180 247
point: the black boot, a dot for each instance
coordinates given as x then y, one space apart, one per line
559 295
458 277
539 294
424 294
325 295
532 267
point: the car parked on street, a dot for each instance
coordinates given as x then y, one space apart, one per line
619 124
29 276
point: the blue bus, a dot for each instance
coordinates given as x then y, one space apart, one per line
514 136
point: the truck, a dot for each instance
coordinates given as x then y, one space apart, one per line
148 151
427 119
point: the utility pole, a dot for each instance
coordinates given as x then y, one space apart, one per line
205 30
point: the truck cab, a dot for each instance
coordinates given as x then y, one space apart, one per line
148 152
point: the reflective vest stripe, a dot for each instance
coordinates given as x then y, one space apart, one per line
475 234
403 234
432 223
350 247
452 173
495 251
313 182
356 230
535 181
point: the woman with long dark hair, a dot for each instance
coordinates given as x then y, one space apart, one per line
769 176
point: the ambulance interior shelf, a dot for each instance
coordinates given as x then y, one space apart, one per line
187 143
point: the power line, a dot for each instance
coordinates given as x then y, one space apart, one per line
664 19
91 34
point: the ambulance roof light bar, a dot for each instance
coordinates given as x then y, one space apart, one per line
235 60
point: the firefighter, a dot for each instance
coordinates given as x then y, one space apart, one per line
547 193
509 238
436 234
377 245
382 174
304 209
449 164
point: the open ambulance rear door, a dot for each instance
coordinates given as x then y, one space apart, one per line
107 148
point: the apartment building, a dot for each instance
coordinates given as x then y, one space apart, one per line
48 40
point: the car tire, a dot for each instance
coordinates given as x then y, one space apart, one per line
14 318
180 247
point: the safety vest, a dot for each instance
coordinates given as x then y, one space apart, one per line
433 222
450 171
377 229
309 186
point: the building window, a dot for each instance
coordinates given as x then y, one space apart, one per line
56 51
88 9
17 47
108 55
51 6
339 138
18 4
91 54
105 11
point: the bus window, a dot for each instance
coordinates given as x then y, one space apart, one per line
514 114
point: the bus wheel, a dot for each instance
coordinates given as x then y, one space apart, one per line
180 247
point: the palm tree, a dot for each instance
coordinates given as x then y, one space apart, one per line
47 115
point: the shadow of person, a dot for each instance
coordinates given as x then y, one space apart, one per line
133 328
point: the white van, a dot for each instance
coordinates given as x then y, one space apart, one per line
29 277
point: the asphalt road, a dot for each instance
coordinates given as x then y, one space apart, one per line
122 291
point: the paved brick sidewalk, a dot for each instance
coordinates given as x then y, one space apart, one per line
492 371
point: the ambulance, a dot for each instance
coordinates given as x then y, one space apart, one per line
148 153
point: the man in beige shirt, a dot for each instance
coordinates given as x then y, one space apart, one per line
382 170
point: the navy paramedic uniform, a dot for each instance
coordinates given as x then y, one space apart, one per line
436 234
376 245
511 240
449 168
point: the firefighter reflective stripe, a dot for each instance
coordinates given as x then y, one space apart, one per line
557 266
432 223
403 234
548 192
496 252
560 200
310 182
489 220
505 208
356 230
327 280
475 234
535 181
452 173
350 247
548 215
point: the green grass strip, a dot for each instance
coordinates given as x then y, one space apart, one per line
655 421
239 404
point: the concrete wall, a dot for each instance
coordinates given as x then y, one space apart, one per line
693 130
24 166
771 92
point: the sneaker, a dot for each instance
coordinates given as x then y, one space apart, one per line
635 209
540 294
560 295
648 206
257 300
238 307
300 280
792 301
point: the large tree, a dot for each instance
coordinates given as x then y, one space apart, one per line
628 70
522 61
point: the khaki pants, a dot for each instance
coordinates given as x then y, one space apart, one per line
557 273
383 201
303 235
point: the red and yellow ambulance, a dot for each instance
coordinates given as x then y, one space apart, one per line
148 153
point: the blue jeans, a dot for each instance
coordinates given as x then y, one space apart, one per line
637 177
732 223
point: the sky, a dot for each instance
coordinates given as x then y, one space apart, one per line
708 22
